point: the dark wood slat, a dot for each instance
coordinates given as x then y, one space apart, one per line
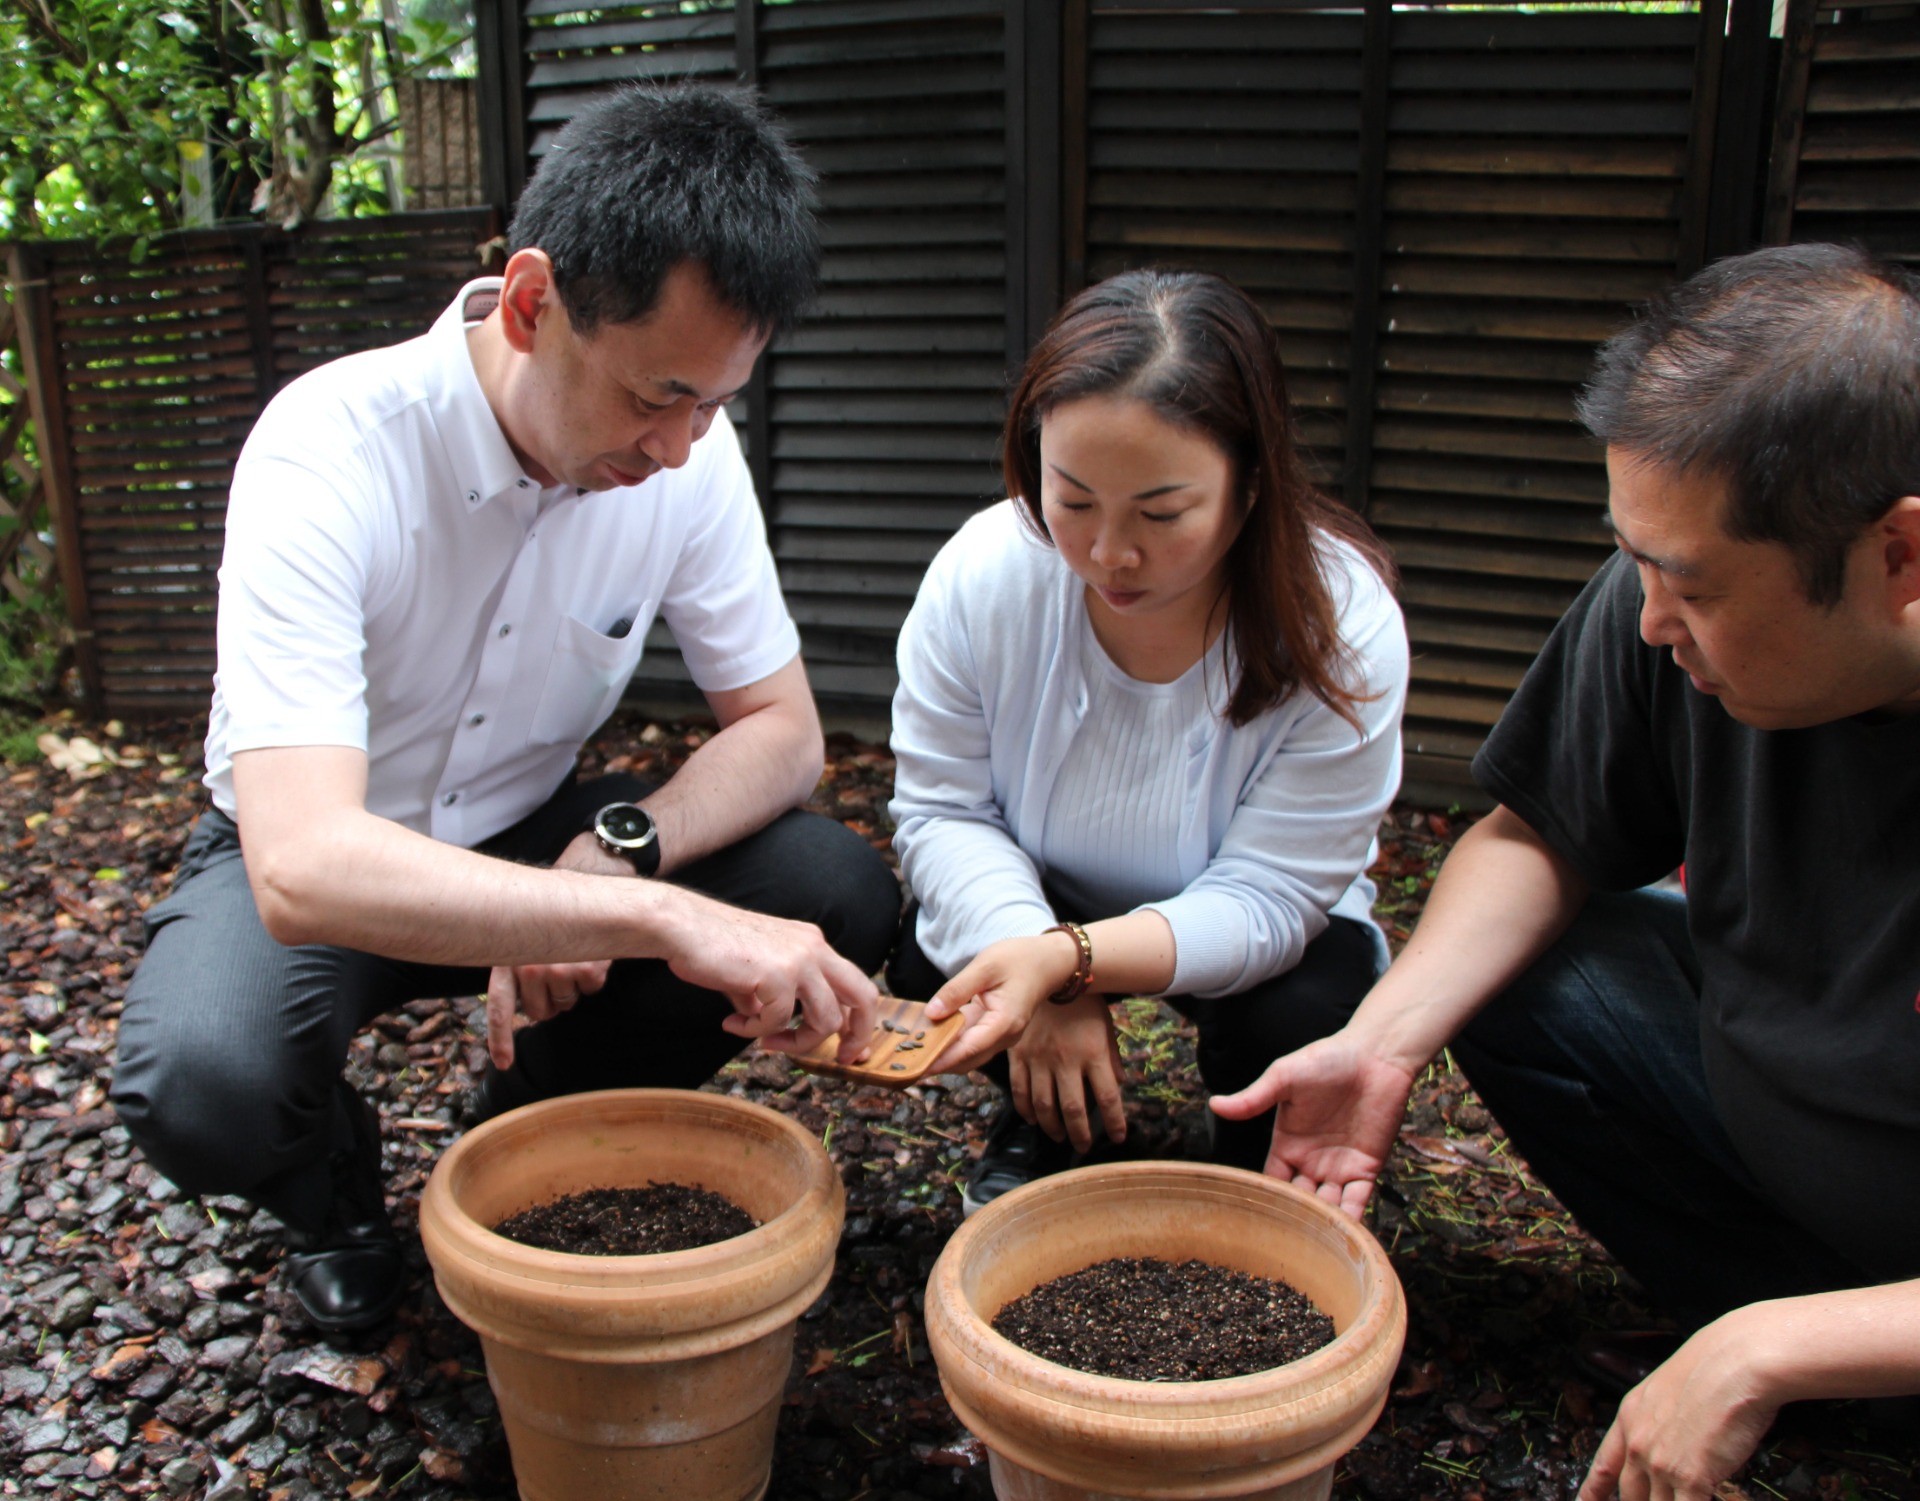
1225 34
1575 73
1498 320
879 338
1579 525
1856 140
1567 31
1236 155
1593 240
1881 42
888 479
1417 276
982 411
1833 93
1534 197
824 15
1549 443
1242 198
1263 72
942 372
1503 156
1571 117
1449 475
715 26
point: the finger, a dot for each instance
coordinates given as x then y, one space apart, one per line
1607 1460
816 1017
859 1005
530 985
502 998
1020 1084
1046 1110
1330 1193
1104 1080
1353 1198
986 1035
820 1012
1070 1089
961 989
1257 1098
590 978
766 1019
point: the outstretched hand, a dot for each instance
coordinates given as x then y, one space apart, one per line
1338 1110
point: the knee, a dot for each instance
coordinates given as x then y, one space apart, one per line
858 906
183 1112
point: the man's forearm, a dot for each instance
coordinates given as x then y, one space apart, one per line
1501 900
1858 1342
756 768
370 884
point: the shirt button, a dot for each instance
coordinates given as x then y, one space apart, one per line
450 799
506 630
473 497
478 719
521 483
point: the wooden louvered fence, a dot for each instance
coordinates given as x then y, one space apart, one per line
146 377
1442 211
1846 158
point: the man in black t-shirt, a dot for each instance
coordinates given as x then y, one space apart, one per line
1723 1087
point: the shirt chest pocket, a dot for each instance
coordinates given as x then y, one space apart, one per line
585 677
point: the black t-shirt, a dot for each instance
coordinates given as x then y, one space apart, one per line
1803 898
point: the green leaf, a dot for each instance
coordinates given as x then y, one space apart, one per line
37 1042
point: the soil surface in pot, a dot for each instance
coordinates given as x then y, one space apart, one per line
629 1221
1151 1320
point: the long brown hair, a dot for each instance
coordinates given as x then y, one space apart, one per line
1195 349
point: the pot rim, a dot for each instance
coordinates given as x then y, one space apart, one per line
560 1269
1332 1365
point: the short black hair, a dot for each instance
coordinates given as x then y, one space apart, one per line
652 176
1793 373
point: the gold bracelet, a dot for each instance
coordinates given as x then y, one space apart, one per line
1080 981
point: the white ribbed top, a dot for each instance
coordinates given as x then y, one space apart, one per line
1111 836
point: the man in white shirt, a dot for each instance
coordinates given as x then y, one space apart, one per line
442 560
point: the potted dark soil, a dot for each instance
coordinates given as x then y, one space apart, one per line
628 1376
1055 1433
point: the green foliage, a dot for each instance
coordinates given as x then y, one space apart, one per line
103 102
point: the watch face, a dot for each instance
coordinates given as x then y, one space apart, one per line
625 824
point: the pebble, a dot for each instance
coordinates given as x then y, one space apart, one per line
218 1354
44 1435
74 1309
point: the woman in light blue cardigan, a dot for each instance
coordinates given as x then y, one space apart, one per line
1148 720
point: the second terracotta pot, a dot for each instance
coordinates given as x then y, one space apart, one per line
1056 1434
629 1377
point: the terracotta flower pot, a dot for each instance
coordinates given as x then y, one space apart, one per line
1056 1434
636 1376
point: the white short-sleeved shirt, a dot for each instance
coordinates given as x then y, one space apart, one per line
393 580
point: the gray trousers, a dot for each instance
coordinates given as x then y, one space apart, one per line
231 1044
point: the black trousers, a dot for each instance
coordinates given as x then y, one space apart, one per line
231 1044
1239 1035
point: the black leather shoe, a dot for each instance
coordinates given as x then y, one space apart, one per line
1618 1360
350 1275
1016 1153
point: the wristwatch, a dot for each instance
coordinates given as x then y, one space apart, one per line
626 829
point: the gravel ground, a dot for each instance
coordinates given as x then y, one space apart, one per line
146 1348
